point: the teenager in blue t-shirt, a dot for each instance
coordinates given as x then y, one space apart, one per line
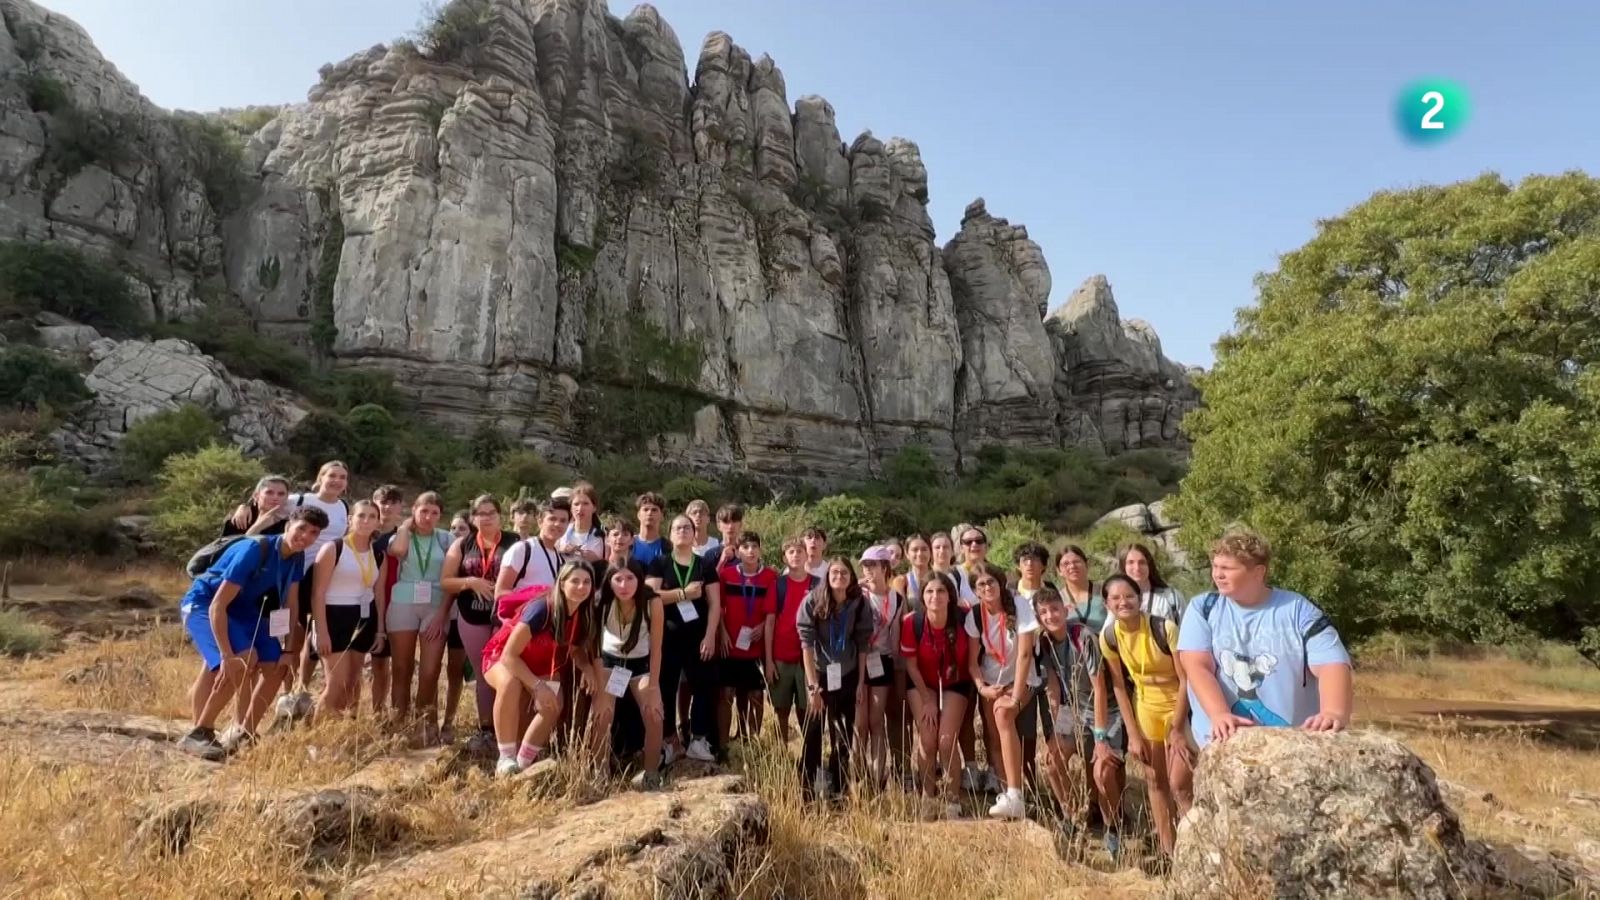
235 613
1259 655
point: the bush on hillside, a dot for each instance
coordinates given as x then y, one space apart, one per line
427 455
519 473
215 152
43 519
197 491
147 445
21 636
1007 533
230 336
321 435
33 379
372 438
679 491
455 32
852 523
621 478
776 523
37 277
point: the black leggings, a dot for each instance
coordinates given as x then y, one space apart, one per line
839 709
680 656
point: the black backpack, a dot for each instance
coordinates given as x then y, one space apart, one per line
207 556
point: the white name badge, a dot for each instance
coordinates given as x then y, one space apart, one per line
747 638
874 666
278 623
617 681
553 685
422 593
366 610
835 676
687 611
1063 722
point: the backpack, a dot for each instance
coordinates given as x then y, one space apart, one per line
527 558
1318 625
1158 632
207 556
377 555
783 583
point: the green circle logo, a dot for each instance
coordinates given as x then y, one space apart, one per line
1431 110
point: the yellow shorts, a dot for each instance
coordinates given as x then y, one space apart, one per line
1155 715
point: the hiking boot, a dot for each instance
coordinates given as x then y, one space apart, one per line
506 768
700 751
202 742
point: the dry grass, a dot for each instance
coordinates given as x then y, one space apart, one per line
94 578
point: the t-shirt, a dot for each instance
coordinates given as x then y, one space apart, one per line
537 563
1073 662
886 614
819 571
615 633
789 594
645 552
964 590
338 521
1153 674
1095 615
593 541
997 641
480 559
1261 658
747 600
1164 602
1025 598
261 584
416 579
941 654
674 576
712 544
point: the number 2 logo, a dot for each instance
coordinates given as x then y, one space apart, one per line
1437 99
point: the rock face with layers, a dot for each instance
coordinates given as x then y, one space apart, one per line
569 232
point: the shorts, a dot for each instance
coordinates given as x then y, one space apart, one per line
348 632
637 666
242 636
1155 719
404 615
887 678
1116 734
965 688
742 675
789 688
452 640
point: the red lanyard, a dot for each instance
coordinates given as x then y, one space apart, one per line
486 558
998 652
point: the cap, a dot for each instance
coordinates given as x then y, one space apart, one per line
877 554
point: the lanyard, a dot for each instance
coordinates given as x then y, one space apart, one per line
549 561
683 572
837 633
556 662
747 591
424 561
1088 603
488 556
913 589
365 562
999 651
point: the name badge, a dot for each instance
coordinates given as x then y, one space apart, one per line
366 610
617 681
1063 722
554 685
747 637
278 623
687 611
874 666
835 676
422 593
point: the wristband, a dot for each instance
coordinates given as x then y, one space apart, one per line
1099 735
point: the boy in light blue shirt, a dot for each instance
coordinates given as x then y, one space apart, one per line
1259 655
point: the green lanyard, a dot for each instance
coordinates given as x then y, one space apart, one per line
683 573
424 561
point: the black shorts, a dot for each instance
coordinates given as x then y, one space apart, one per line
741 674
887 678
639 665
348 632
453 638
965 688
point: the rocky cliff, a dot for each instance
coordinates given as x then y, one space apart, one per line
546 224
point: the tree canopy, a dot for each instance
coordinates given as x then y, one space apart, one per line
1411 413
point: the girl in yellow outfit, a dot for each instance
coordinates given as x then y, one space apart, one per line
1141 645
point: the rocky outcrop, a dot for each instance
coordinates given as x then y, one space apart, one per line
103 740
1156 526
561 233
1284 813
134 380
678 843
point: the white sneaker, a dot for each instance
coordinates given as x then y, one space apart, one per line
1009 806
506 768
700 750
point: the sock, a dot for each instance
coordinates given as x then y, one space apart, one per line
1014 793
529 754
508 751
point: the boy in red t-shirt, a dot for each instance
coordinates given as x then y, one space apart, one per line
748 586
786 670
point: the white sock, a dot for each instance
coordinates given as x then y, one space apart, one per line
1014 793
508 751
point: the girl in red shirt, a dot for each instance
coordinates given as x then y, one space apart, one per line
936 648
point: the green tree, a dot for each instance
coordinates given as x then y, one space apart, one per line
372 432
170 432
197 490
66 281
32 379
852 523
1411 413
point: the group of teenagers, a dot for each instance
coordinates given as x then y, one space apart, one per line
653 639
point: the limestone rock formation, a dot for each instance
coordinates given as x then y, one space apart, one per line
565 232
134 380
677 843
1156 526
1284 813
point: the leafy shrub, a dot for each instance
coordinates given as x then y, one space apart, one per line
321 435
324 333
455 32
621 478
372 440
229 335
487 444
216 153
252 119
21 636
96 137
148 444
1007 533
1104 542
427 455
41 518
679 491
776 523
46 94
912 470
852 523
33 379
56 278
346 389
520 473
197 491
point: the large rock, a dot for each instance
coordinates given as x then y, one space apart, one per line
1284 813
1135 516
134 380
672 844
104 740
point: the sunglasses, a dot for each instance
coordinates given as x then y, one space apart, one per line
975 542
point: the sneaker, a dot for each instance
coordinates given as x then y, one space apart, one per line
1009 806
1113 845
304 705
669 755
230 735
700 750
647 781
506 768
284 708
202 742
236 739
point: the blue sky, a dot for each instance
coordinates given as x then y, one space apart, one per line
1178 148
